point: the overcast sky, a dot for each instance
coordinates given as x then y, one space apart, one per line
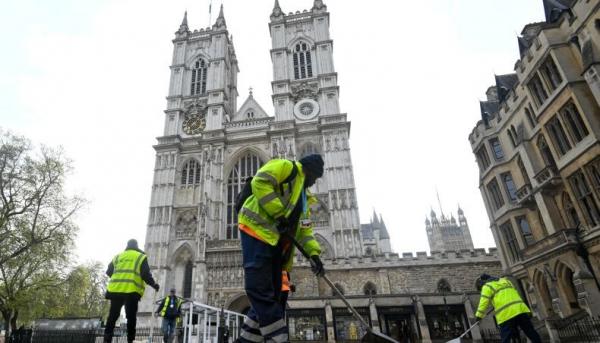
92 76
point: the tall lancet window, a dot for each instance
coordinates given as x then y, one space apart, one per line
190 173
199 77
245 167
302 61
187 279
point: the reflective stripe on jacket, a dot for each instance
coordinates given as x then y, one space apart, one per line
267 203
167 302
504 298
126 277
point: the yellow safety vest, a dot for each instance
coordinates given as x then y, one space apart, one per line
504 298
267 203
178 302
126 277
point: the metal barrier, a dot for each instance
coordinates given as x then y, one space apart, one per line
207 324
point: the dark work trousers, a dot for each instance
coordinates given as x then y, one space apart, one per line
262 275
510 329
131 307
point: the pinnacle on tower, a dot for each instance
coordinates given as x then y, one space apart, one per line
375 219
184 23
318 4
220 19
276 10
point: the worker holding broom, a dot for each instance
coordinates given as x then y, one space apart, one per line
273 206
511 312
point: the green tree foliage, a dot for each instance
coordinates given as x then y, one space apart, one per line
36 222
79 294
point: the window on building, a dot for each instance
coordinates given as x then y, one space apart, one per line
545 152
537 90
245 167
495 194
199 77
557 133
523 171
525 230
530 118
574 123
509 185
340 288
585 197
250 114
190 174
510 241
512 139
306 325
309 149
443 286
551 74
187 279
483 158
302 61
497 149
593 170
369 288
570 211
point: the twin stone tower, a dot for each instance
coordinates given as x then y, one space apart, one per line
210 146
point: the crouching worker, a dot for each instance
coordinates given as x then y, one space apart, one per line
276 209
511 312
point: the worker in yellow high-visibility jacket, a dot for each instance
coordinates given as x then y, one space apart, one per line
278 204
510 310
129 273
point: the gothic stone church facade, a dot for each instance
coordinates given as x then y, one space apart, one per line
210 146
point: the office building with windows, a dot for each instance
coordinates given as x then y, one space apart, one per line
537 146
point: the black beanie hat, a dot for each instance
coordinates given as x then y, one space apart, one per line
313 163
132 244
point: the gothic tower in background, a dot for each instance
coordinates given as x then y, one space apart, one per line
448 234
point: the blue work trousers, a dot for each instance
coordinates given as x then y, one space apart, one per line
262 275
168 328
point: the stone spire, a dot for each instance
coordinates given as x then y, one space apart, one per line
375 219
220 23
383 233
184 24
277 12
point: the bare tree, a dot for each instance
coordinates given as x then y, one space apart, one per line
36 221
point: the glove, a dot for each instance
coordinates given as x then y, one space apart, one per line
317 266
156 287
283 224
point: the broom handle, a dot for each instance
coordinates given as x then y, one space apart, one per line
476 323
333 287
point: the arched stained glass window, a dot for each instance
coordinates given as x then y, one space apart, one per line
302 61
190 173
245 167
199 77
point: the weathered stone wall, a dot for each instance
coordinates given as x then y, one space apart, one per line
394 275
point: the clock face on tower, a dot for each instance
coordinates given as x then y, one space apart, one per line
193 124
306 109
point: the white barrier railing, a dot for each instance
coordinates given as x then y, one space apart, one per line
209 319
